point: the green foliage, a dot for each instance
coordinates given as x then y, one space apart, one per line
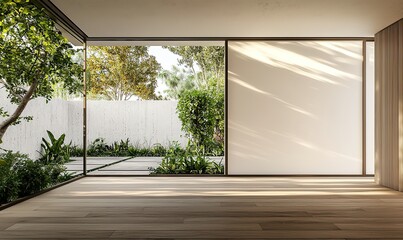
218 99
217 168
202 115
99 148
32 175
33 57
57 173
187 161
210 60
54 151
20 176
178 81
74 150
197 114
9 182
122 148
201 104
157 150
122 72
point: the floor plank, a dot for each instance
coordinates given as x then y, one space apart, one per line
209 208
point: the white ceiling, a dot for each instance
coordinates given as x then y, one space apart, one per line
231 18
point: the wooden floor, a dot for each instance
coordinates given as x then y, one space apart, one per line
209 207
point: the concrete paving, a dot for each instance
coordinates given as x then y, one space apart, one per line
119 165
75 167
133 166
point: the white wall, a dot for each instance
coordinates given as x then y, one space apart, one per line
295 107
143 122
26 136
370 108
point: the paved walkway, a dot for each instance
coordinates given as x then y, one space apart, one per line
75 167
118 165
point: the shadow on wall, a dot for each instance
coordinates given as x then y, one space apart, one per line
306 114
311 67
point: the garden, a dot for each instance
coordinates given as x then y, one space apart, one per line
41 92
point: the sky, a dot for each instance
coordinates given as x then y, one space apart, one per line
167 59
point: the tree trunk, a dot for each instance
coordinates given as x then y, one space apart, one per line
10 120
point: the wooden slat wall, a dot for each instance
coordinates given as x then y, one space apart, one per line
389 106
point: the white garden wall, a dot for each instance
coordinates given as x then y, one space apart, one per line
143 122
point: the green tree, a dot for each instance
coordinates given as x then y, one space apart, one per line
178 80
210 60
33 57
122 72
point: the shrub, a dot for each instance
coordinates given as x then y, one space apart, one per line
218 143
74 150
197 116
9 182
172 163
33 177
98 148
54 151
20 176
120 148
187 161
57 173
9 187
157 150
202 115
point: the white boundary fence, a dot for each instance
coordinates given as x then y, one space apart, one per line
144 123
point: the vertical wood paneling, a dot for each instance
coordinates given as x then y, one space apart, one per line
400 79
389 106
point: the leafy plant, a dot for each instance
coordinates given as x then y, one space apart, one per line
20 176
9 182
187 161
172 163
202 115
120 148
74 150
216 168
197 116
98 148
53 151
32 175
57 173
157 150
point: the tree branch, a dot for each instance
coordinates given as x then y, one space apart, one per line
10 120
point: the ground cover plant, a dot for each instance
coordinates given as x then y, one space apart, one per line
21 176
187 161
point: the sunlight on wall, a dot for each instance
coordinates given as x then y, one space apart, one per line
370 108
295 107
